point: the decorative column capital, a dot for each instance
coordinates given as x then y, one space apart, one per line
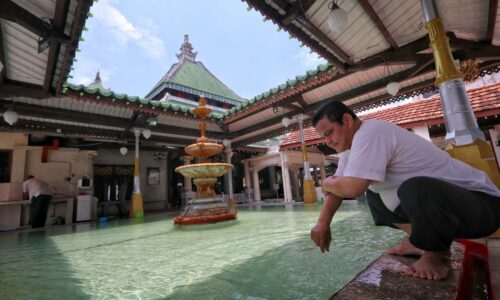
137 131
300 118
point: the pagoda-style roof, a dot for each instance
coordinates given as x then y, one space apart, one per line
190 75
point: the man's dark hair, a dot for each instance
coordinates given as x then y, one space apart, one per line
334 111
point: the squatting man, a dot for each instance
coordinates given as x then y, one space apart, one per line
410 185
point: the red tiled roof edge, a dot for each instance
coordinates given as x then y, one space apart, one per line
485 101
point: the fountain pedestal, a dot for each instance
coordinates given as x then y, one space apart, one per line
206 206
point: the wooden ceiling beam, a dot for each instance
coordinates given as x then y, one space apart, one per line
301 101
368 8
60 14
39 126
297 8
64 115
290 106
306 24
12 88
12 12
266 135
368 88
456 42
492 18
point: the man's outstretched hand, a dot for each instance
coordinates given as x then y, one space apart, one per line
322 236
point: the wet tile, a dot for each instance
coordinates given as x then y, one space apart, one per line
384 280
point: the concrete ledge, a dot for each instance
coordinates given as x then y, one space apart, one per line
494 264
383 280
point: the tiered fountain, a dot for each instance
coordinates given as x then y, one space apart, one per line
206 206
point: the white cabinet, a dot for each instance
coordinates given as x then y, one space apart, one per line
83 208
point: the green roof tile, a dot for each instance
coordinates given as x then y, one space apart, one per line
196 76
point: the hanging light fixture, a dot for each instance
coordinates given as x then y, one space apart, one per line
337 19
226 142
123 150
392 88
146 133
285 122
10 116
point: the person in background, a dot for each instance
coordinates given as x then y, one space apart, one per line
39 194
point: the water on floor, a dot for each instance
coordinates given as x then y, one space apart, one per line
266 254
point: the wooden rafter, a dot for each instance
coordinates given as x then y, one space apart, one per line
65 115
263 136
15 13
11 88
378 22
492 17
367 88
290 106
61 11
470 45
420 67
301 101
81 11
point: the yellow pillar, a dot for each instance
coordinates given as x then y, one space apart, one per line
309 186
136 207
464 139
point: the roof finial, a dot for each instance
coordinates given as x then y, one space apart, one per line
98 78
186 50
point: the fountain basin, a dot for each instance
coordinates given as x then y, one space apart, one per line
204 170
203 149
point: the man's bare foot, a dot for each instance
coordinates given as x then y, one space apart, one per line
432 265
405 248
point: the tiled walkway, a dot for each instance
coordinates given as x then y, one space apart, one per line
384 280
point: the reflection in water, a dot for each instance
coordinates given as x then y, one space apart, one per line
266 254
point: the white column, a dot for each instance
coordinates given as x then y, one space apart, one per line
287 189
137 181
248 180
229 175
422 131
256 185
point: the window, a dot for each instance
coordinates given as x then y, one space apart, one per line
5 165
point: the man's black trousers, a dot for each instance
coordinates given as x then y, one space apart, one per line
38 210
438 212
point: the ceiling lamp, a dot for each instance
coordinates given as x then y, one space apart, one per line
146 133
10 116
123 150
226 142
392 88
285 122
337 19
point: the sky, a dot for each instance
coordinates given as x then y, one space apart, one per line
133 43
